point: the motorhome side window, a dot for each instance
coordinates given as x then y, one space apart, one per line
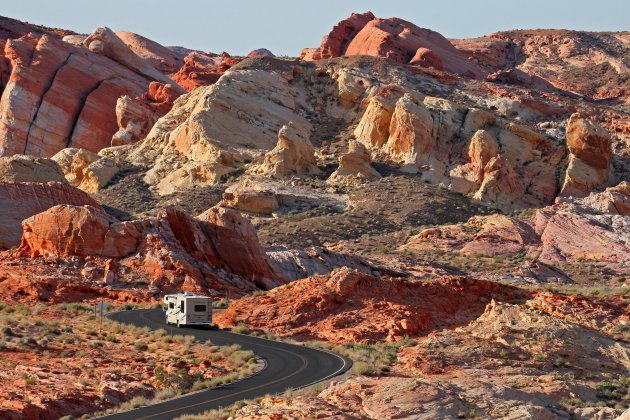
181 306
200 308
171 305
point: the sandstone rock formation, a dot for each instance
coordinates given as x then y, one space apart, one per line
410 132
336 42
293 155
201 69
24 199
134 119
260 52
205 136
614 200
59 95
262 202
395 39
356 164
594 228
21 168
592 65
590 159
342 308
86 170
217 250
104 41
162 58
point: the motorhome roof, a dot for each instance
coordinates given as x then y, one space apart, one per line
187 295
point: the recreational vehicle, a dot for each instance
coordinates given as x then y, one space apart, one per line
188 309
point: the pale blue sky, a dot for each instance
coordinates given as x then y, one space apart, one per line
287 26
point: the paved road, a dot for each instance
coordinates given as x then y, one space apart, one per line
287 366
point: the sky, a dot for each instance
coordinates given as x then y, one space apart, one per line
285 27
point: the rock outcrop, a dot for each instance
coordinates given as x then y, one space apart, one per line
341 308
61 96
410 132
572 230
356 163
293 155
200 69
86 170
214 130
160 57
21 168
395 39
260 52
104 41
590 158
25 199
217 250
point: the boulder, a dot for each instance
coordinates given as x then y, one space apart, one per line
481 149
25 199
356 163
21 168
614 200
293 155
86 170
500 186
373 129
590 156
134 119
252 201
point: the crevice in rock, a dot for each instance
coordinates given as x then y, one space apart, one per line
40 101
82 101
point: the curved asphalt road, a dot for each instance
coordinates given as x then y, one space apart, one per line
287 366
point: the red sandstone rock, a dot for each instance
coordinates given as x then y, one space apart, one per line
336 42
201 69
162 58
25 199
354 307
395 39
173 249
260 52
60 96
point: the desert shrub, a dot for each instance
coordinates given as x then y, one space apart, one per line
240 329
140 346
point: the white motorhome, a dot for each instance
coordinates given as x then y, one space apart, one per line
188 309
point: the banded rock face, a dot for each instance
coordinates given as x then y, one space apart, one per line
20 200
59 95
